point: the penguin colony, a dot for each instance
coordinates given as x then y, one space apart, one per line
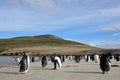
57 60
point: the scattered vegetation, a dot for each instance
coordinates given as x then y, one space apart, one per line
45 44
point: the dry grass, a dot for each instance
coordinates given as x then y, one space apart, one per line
42 46
66 50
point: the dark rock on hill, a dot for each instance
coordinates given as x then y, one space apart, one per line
40 36
47 36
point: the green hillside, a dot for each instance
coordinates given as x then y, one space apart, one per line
30 42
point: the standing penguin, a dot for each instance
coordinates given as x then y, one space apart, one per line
77 58
44 61
105 63
57 62
117 57
96 58
88 58
17 59
24 63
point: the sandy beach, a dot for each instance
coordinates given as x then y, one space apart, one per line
69 71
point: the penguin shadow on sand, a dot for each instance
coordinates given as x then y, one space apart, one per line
84 72
41 68
13 73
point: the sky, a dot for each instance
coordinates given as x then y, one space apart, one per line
93 22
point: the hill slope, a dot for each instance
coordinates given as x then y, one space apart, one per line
38 43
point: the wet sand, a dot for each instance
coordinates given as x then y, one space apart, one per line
69 71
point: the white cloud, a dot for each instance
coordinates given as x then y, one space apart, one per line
106 44
40 3
35 4
113 27
111 12
96 17
101 43
16 2
116 34
109 27
61 17
27 26
70 1
12 27
92 44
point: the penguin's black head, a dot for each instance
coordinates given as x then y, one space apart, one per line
109 55
25 54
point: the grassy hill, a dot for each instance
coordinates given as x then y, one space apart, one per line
42 44
34 41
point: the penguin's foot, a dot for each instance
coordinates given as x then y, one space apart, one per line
25 73
103 72
107 72
54 68
96 61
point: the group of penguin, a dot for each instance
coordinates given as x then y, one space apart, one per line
24 63
55 59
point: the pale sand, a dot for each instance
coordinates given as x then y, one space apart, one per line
69 71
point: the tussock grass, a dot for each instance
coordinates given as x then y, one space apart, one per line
63 50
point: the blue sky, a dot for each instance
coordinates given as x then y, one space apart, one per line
93 22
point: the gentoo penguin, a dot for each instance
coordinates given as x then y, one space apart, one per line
105 63
77 58
88 58
44 61
57 62
17 59
117 57
24 63
33 58
96 58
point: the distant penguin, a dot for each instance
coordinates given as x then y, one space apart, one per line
105 63
77 58
88 58
96 58
33 58
92 57
117 57
57 62
70 58
24 63
17 59
63 59
44 61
